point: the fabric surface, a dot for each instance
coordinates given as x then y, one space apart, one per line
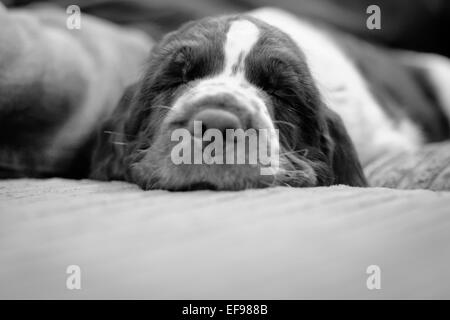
427 168
276 243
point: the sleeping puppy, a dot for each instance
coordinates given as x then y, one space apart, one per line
266 70
325 104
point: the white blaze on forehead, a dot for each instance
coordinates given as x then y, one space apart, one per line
241 37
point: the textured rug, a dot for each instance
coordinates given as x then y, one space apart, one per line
278 243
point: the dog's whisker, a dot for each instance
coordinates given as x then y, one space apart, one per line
303 151
118 133
284 122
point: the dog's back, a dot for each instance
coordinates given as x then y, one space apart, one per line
56 84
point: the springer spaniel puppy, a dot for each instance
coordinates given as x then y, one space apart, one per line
265 69
329 103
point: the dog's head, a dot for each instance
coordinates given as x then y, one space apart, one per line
228 74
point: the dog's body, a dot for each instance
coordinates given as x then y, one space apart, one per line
56 84
270 70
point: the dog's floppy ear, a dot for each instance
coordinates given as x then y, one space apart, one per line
108 159
342 154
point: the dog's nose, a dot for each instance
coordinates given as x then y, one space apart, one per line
212 118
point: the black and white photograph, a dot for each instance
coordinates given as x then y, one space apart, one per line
224 150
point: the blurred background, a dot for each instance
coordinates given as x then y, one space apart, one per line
420 25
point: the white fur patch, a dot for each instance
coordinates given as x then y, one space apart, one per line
241 37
